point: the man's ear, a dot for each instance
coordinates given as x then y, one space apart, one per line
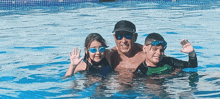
114 36
134 38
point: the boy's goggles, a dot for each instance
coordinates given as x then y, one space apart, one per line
157 43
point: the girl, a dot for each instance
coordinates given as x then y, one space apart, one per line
94 60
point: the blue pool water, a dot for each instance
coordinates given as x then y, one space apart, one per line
36 41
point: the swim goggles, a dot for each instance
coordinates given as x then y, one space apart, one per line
120 34
157 43
94 50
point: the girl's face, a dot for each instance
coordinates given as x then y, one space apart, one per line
97 56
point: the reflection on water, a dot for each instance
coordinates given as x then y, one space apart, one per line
181 85
36 41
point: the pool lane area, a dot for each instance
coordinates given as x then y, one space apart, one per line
36 37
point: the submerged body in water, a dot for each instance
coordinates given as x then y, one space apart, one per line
137 86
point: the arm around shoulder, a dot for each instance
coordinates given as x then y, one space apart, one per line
139 45
109 53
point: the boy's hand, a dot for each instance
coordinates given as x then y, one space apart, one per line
187 47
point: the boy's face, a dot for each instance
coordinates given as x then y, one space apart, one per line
154 54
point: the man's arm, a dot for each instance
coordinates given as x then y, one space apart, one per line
139 45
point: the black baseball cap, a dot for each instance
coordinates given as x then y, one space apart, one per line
124 25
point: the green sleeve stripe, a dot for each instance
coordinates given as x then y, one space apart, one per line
159 70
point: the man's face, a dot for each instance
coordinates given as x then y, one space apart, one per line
154 54
124 41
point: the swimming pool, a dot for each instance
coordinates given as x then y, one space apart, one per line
36 40
56 2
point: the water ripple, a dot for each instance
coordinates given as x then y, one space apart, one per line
34 67
36 48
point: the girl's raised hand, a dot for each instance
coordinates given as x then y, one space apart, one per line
74 58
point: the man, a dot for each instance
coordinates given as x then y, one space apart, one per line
157 63
126 55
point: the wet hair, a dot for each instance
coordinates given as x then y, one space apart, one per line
153 36
92 37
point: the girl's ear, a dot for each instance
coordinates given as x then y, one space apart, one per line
86 51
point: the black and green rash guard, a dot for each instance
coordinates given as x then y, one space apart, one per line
166 66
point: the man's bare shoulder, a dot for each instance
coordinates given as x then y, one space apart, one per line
139 52
115 49
110 52
138 46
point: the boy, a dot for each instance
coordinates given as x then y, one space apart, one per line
157 63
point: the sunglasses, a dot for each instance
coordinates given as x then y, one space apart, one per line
94 50
119 37
157 43
120 34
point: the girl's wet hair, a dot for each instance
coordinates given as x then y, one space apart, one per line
94 36
153 36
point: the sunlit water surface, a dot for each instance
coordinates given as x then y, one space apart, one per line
36 41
